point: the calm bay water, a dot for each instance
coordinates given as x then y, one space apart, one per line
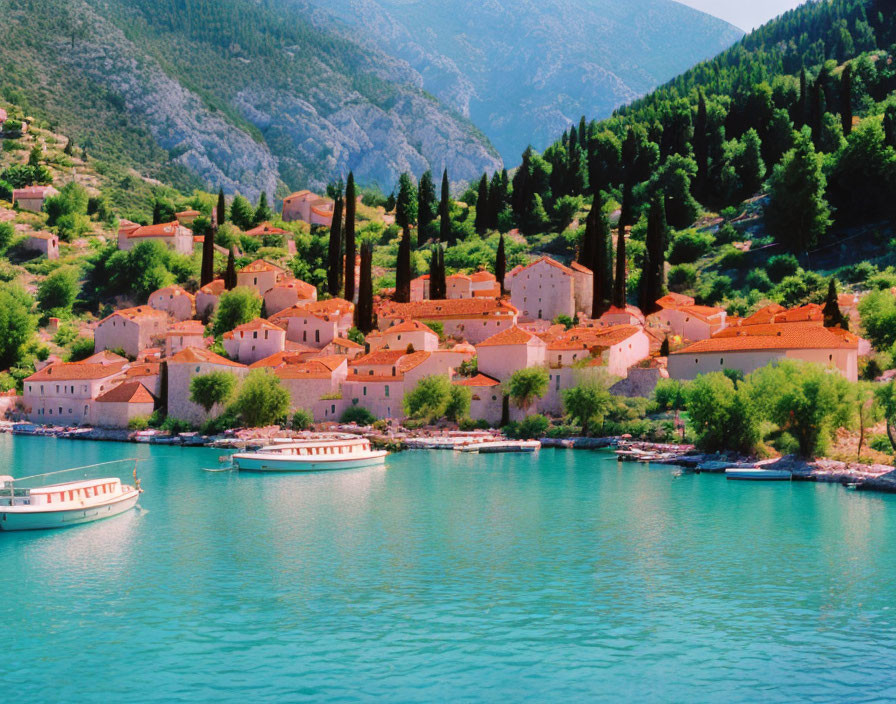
454 578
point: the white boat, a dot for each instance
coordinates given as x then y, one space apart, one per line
311 456
61 505
758 474
502 446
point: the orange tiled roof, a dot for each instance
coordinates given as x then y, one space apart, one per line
41 236
451 308
297 194
409 326
319 309
260 266
410 361
587 338
257 324
77 371
143 369
128 392
345 342
197 355
629 310
163 229
304 290
481 276
186 327
774 336
214 288
30 192
382 357
575 266
266 228
478 380
311 369
546 260
103 356
675 300
138 313
173 290
511 336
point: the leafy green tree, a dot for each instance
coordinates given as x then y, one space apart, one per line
59 290
587 403
426 202
458 406
80 348
428 400
236 307
846 99
885 397
72 200
863 176
7 232
670 395
525 386
16 325
261 399
211 389
242 214
877 311
797 213
749 164
722 415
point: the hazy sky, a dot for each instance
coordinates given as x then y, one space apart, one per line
746 14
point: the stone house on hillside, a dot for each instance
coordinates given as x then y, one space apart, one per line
308 207
45 243
172 234
254 341
119 406
64 393
471 319
32 198
317 323
174 300
131 329
260 275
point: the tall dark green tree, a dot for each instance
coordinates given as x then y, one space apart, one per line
406 203
482 206
351 204
445 210
334 251
501 263
701 146
890 125
403 267
426 202
846 99
230 280
599 227
653 273
221 208
364 309
496 199
438 286
833 317
207 270
263 212
619 280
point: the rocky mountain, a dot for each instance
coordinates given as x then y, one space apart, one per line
236 93
524 70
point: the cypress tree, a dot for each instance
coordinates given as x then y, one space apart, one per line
444 210
846 100
654 257
482 210
156 213
350 251
403 267
263 212
364 309
701 146
602 290
495 201
230 274
222 208
501 264
802 107
438 286
426 202
207 271
334 252
833 317
619 282
816 111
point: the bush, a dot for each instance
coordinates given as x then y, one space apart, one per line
782 265
236 307
211 389
723 417
732 258
470 424
358 415
670 395
532 428
758 280
139 423
81 348
261 400
682 277
727 234
881 443
689 246
175 426
58 290
302 419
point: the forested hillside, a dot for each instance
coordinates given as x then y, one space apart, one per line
233 93
523 70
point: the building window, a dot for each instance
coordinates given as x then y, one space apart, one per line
364 391
387 392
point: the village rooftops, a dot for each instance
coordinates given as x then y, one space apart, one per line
402 361
253 326
325 310
675 300
478 380
135 314
30 192
266 228
196 355
304 290
774 313
77 371
102 357
510 336
345 342
588 338
409 326
459 308
214 287
260 266
774 336
547 260
166 229
186 327
128 392
143 369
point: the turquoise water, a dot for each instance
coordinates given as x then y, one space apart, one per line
454 578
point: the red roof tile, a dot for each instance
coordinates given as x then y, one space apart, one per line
77 371
129 392
197 355
510 336
775 336
478 380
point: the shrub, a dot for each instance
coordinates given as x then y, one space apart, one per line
587 403
880 443
527 385
261 400
209 390
470 424
732 258
682 277
358 415
58 290
175 426
139 423
758 280
689 246
81 348
670 395
531 428
723 417
236 307
302 419
782 265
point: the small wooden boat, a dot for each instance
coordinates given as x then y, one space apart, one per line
64 504
758 474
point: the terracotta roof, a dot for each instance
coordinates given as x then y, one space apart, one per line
629 310
345 342
143 369
381 357
103 356
138 313
702 312
278 359
297 194
186 327
481 276
410 361
33 192
164 229
128 392
257 324
172 291
215 287
304 290
511 336
319 309
331 361
266 228
409 326
462 277
197 355
675 300
547 260
311 369
588 338
41 236
774 336
373 378
774 313
450 308
77 371
478 380
575 266
260 266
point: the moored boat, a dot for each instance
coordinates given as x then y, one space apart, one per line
758 474
502 446
319 455
64 504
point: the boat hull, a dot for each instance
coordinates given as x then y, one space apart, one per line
42 520
272 463
758 475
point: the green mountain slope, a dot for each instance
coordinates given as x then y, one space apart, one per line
231 92
524 70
